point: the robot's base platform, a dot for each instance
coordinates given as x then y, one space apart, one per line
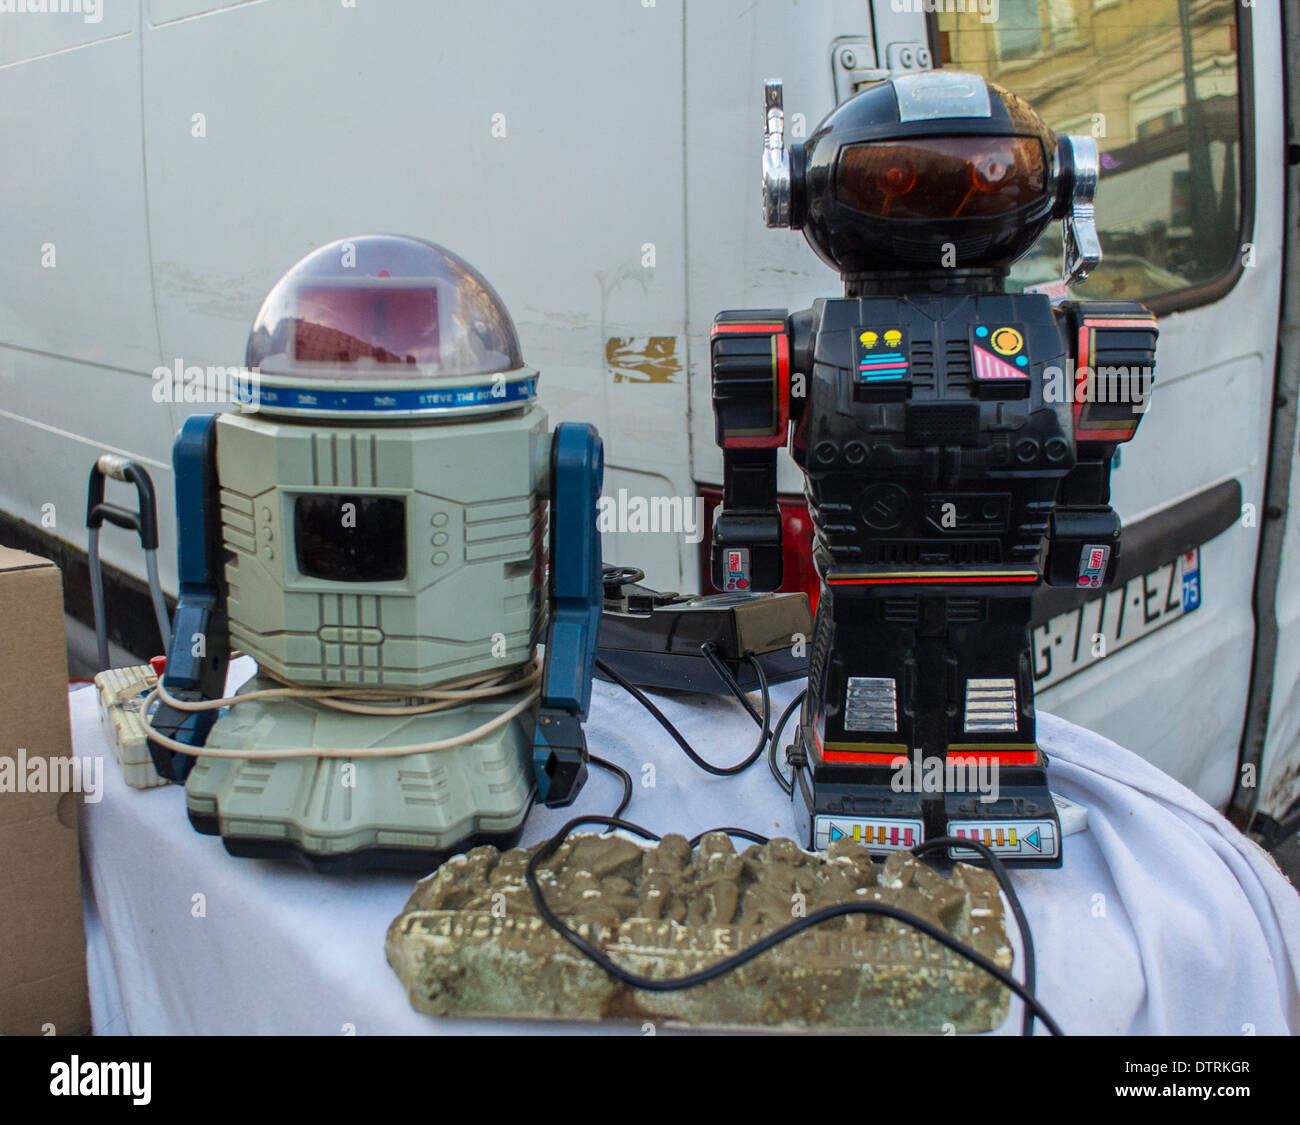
348 863
350 814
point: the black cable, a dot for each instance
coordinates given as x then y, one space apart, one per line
743 833
728 964
724 674
718 771
1003 876
787 787
622 774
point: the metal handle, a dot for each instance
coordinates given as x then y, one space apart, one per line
776 160
143 521
1082 246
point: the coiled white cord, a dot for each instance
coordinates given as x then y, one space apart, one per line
481 686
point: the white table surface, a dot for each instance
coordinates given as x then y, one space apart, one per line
1163 919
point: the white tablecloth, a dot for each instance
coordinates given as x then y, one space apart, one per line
1163 919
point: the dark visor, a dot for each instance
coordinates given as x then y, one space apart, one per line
941 177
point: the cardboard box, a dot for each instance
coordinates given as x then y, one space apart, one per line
42 941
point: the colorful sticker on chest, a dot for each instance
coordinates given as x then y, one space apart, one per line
882 355
999 352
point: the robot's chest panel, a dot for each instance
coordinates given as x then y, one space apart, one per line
980 361
937 389
953 350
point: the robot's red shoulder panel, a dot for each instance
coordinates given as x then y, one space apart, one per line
750 365
1114 346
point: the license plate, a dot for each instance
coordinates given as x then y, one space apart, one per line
1073 641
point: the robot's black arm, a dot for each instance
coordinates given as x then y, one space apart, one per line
750 364
1113 346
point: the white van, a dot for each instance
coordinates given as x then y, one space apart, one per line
598 160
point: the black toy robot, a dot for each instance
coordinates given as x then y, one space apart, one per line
956 442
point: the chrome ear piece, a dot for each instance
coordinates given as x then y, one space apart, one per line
776 159
1082 246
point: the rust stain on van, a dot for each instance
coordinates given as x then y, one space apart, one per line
643 359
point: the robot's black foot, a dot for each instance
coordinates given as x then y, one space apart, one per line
883 809
1020 826
859 804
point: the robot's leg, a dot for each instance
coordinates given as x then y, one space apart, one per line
996 787
857 727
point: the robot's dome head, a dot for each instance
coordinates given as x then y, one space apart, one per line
930 171
386 325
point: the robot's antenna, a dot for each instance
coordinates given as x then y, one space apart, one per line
1082 246
776 160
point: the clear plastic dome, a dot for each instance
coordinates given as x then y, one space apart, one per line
382 307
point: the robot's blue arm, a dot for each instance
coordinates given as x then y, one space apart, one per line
200 643
559 747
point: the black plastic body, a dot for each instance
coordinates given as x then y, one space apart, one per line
944 487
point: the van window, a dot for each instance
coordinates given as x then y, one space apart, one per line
1156 83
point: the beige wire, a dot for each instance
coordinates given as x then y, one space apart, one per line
464 690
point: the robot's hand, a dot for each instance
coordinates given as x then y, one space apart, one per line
1084 551
189 727
559 757
746 552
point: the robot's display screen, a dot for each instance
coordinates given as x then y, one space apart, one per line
351 538
941 177
371 323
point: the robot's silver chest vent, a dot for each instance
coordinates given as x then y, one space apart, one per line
991 706
870 704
